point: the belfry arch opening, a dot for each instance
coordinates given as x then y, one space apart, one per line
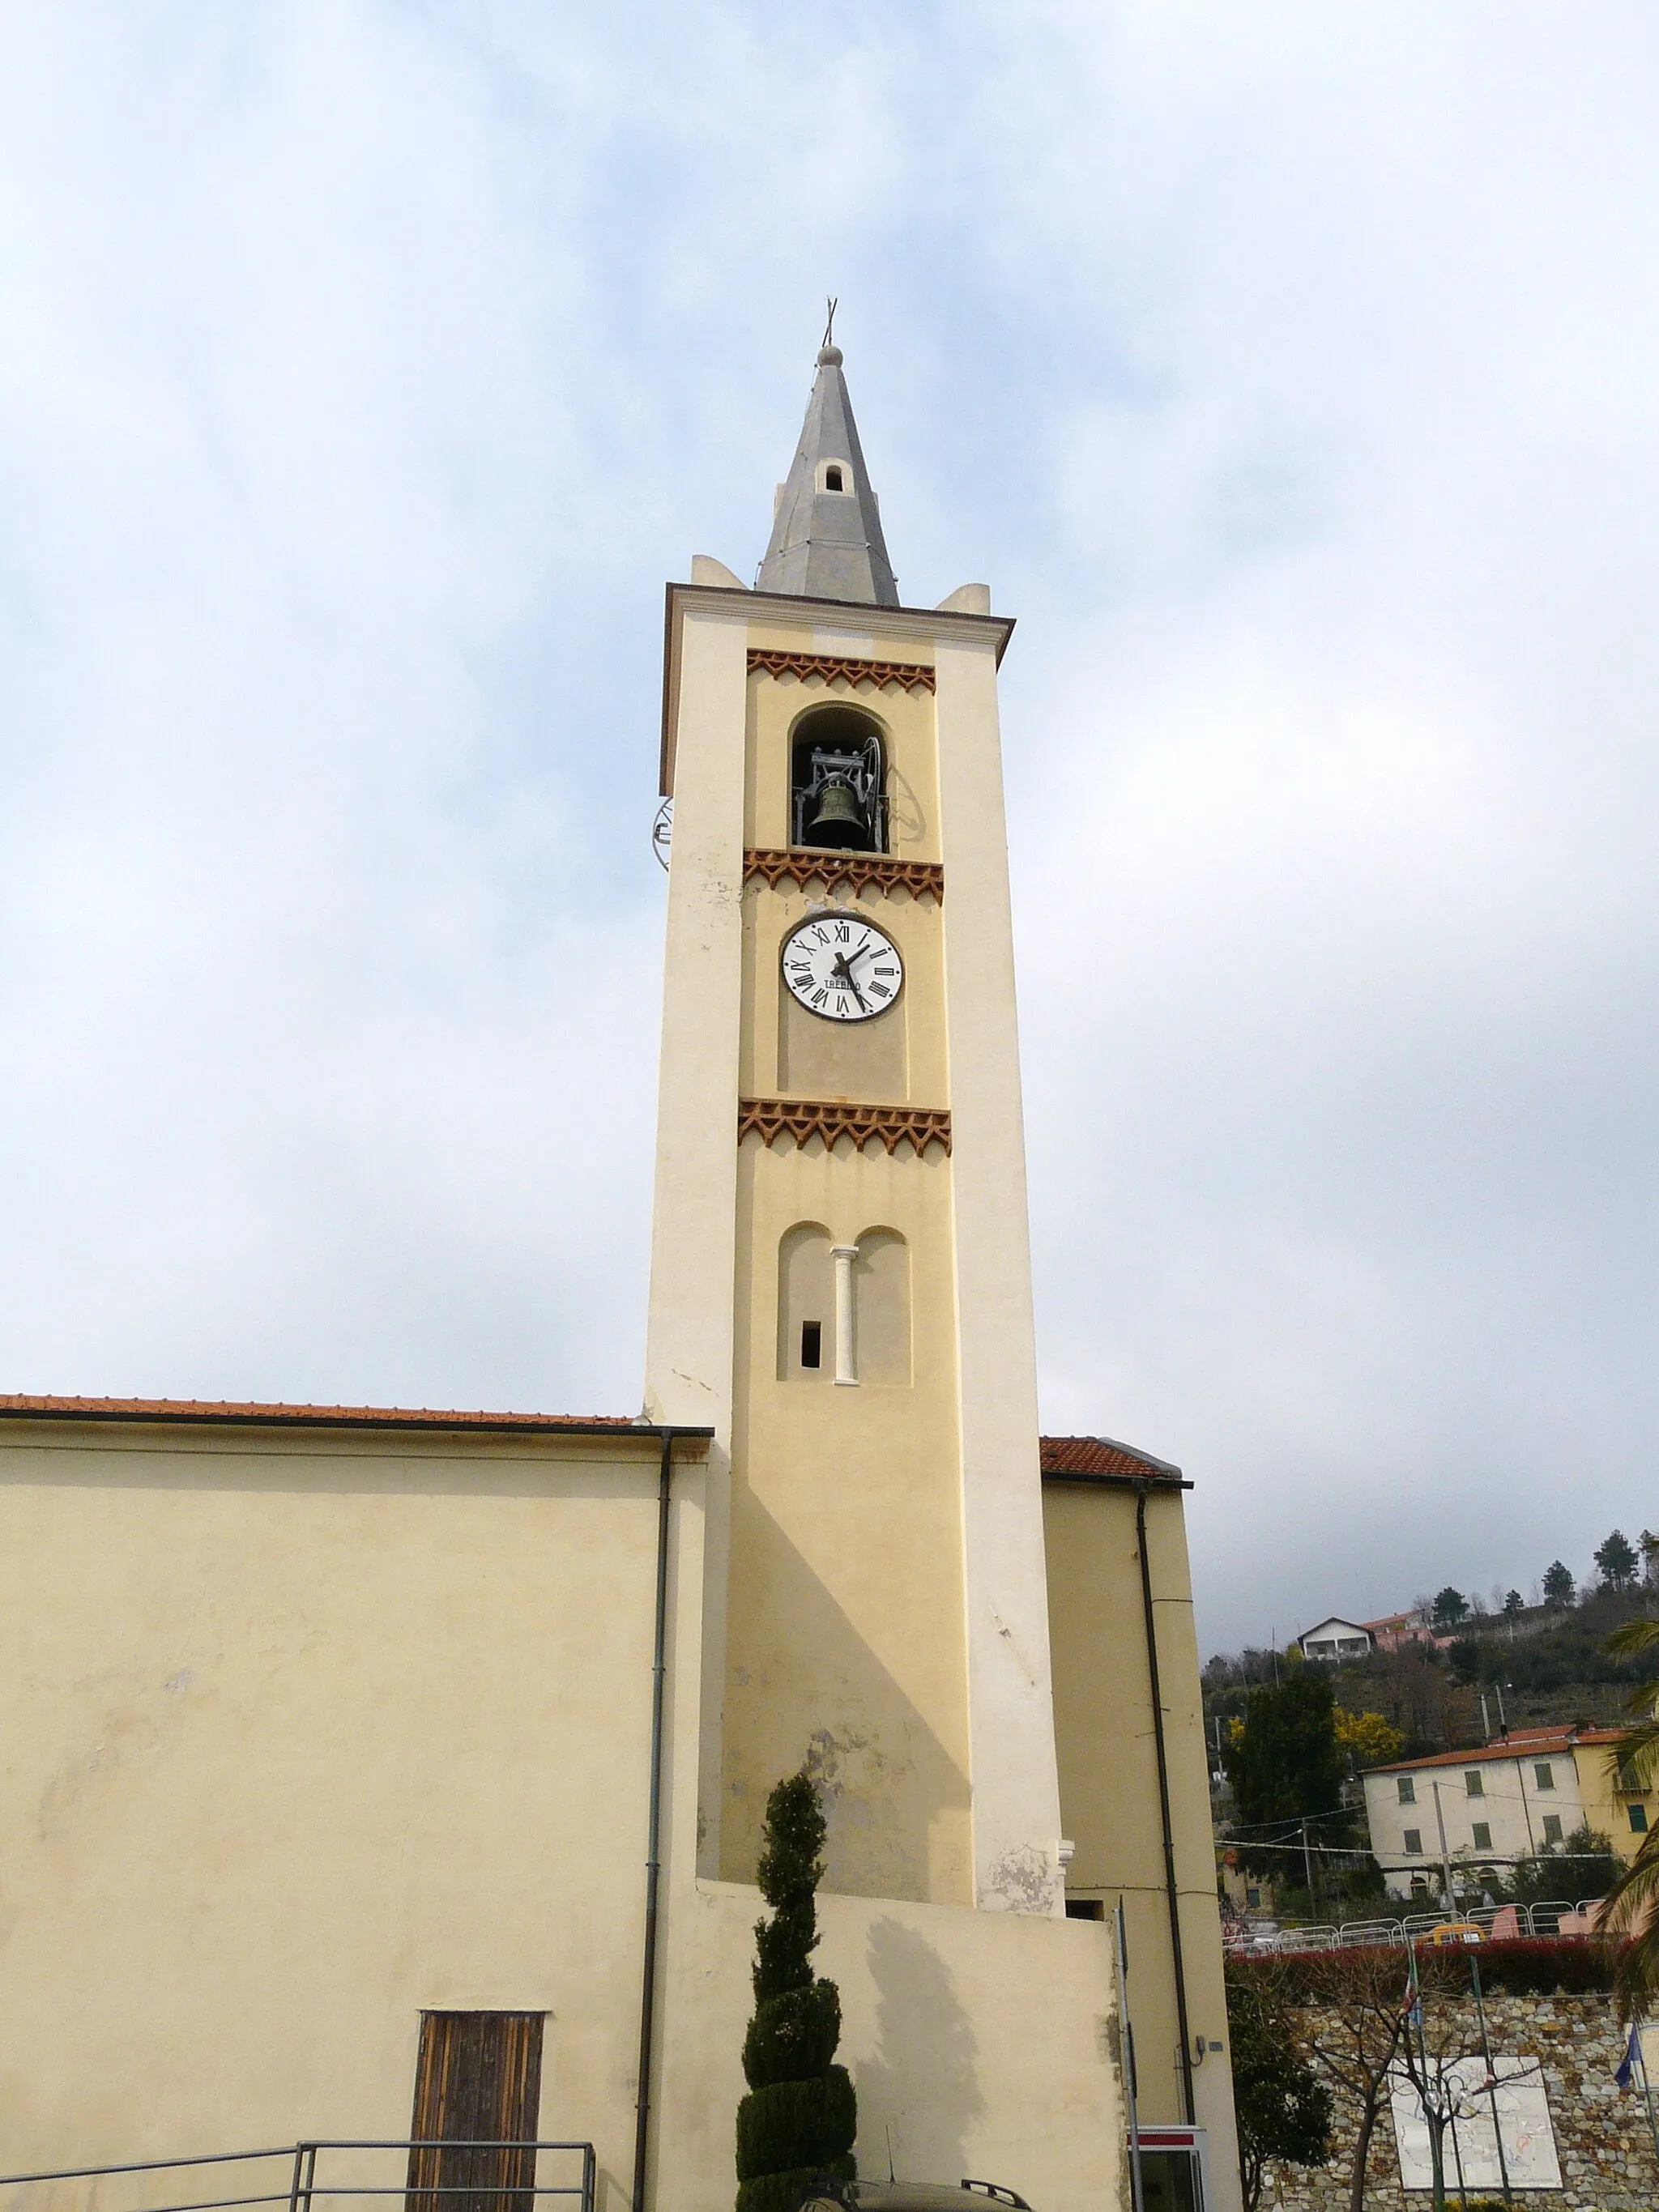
838 781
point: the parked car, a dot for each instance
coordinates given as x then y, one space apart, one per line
826 2196
1453 1931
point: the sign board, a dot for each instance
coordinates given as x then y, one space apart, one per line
1469 2144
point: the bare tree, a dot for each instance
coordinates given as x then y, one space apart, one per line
1420 1696
1429 2052
1353 2024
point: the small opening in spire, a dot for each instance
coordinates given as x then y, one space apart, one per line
832 480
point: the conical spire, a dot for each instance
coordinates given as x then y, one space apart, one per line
826 537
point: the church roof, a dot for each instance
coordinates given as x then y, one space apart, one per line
826 531
229 1413
1102 1459
1081 1458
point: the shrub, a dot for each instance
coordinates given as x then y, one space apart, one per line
1535 1966
800 2116
1585 1864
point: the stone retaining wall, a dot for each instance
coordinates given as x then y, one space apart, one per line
1603 2135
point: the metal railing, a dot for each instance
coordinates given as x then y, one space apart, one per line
1541 1920
292 2179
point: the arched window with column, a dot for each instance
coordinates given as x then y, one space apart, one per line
843 1309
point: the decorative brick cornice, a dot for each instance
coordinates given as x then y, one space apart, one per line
909 675
921 878
802 1118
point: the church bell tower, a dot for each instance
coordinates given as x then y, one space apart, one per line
840 1276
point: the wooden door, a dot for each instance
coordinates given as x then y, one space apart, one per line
477 2085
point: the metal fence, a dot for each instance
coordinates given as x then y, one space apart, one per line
324 2175
1496 1922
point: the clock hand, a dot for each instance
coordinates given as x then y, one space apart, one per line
847 977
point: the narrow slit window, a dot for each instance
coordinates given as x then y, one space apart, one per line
811 1344
832 480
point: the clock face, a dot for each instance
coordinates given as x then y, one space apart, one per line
842 967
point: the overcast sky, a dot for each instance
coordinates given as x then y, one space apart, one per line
1292 373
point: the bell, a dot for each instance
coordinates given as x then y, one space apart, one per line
837 819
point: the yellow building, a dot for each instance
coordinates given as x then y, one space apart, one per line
371 1773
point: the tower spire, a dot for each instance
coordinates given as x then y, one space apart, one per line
826 534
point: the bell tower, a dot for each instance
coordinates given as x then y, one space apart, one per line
841 1276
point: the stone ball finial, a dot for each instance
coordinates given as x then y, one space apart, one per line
829 356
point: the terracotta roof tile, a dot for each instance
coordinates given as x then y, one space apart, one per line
1520 1743
1098 1456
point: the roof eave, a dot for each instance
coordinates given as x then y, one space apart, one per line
1150 1482
161 1413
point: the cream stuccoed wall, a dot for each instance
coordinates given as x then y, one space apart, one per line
981 1799
305 1732
1110 1789
846 1644
982 2044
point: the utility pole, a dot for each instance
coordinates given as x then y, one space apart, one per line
1307 1861
1445 1856
1414 2019
1492 2080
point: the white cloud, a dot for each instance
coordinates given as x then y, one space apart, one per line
1292 373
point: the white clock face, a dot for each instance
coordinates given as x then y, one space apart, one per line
842 967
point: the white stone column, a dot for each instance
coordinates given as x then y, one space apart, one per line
845 1363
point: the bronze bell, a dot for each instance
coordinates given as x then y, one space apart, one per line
838 818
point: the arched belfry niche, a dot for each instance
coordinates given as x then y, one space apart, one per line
838 779
843 1309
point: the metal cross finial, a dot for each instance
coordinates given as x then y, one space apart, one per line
829 324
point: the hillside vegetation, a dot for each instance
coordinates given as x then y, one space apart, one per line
1537 1665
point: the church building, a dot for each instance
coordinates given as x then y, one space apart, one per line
372 1774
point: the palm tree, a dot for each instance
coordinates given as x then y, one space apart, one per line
1632 1904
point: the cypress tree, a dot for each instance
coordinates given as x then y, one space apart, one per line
800 2116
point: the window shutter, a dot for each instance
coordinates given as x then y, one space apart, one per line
478 2083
